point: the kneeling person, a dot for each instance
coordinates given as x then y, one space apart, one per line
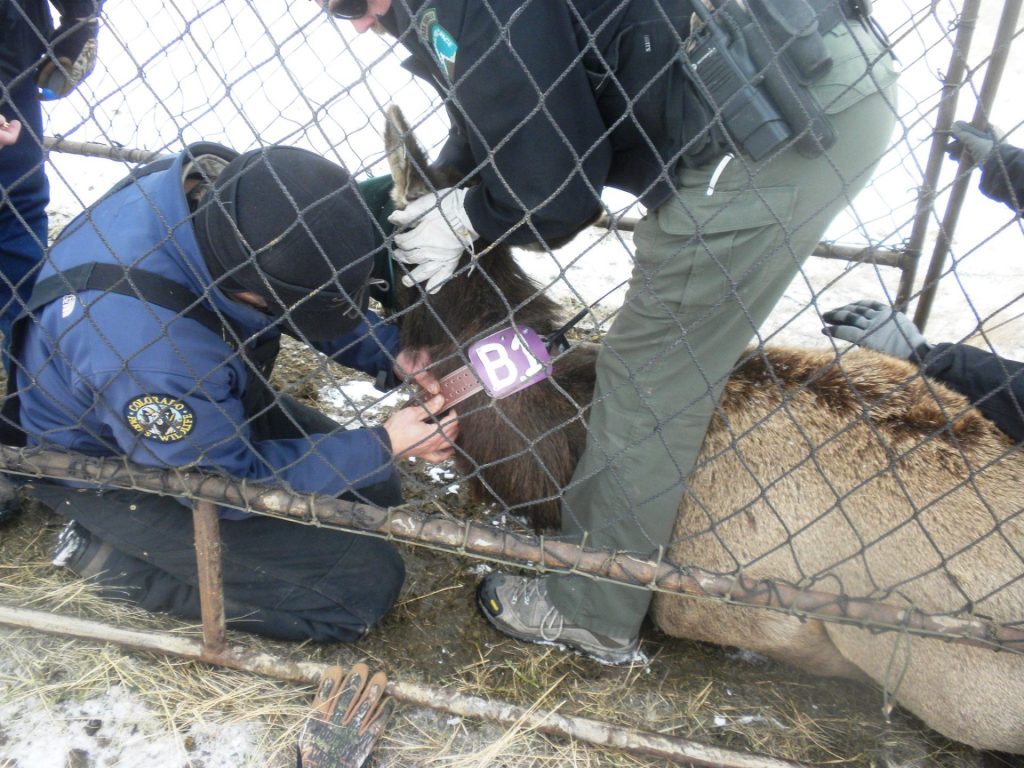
154 328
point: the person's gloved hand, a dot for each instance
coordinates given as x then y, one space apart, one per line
70 59
440 233
977 144
877 326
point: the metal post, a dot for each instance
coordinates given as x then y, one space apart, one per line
993 75
947 110
211 586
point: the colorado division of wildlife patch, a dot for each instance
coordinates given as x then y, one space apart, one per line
159 417
440 40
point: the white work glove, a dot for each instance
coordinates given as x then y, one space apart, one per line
877 326
435 242
973 142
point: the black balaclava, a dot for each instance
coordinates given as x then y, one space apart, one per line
290 226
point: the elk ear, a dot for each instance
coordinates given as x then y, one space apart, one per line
408 161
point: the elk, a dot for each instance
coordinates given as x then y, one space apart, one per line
855 476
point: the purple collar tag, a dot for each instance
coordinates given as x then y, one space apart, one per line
510 360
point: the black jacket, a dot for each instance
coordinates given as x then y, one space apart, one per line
1002 176
992 383
551 101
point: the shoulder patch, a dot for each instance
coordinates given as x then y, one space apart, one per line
440 41
159 417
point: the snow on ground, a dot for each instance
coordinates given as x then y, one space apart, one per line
170 106
356 403
114 729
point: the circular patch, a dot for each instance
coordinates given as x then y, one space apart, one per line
159 417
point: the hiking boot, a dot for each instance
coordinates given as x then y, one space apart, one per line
10 501
519 607
79 552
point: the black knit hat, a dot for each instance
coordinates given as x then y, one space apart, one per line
290 226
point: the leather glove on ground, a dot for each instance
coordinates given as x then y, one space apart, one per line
877 326
348 718
977 144
70 59
440 232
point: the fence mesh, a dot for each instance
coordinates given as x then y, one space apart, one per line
830 472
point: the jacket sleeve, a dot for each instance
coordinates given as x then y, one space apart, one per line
371 347
1002 177
210 431
993 384
531 121
78 9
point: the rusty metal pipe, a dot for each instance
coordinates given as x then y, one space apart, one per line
410 525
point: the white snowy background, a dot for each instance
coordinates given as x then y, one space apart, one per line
243 73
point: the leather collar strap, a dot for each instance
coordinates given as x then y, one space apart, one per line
459 385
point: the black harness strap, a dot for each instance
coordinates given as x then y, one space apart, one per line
128 281
135 283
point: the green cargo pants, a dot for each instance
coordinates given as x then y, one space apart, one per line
709 269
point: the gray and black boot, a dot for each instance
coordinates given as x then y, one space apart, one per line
519 607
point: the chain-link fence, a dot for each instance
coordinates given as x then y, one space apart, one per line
810 481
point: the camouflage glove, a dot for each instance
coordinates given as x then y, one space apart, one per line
70 58
879 327
348 718
976 143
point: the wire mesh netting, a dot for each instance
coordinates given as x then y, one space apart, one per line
218 297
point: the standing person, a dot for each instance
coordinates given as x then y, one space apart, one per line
552 101
36 61
1002 165
10 503
151 335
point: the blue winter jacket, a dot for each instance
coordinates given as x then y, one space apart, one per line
89 361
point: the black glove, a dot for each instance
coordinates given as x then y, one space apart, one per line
976 143
879 327
70 57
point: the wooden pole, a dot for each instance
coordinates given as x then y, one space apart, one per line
594 732
95 149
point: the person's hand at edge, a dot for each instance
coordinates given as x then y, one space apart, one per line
876 326
974 142
9 131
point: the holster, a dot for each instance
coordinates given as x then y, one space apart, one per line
783 41
786 44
